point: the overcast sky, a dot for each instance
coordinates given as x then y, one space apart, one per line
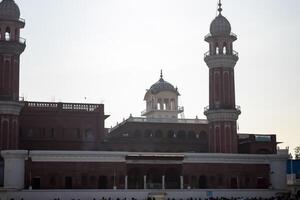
111 51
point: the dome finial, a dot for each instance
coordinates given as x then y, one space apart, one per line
161 74
220 7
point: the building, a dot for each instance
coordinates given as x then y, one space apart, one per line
47 145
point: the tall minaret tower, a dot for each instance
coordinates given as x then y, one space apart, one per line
222 112
11 47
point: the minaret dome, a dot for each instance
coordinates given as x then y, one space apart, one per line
162 100
9 10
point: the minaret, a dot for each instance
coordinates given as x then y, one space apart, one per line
222 112
11 47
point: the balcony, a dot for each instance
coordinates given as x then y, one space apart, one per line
66 107
179 109
234 53
9 45
207 108
209 35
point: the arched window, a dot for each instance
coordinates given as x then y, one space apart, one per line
191 135
217 50
7 34
171 134
224 48
158 106
181 134
158 134
148 133
203 135
202 182
137 134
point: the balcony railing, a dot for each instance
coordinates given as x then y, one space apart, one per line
233 53
49 106
179 109
207 108
22 20
19 40
210 35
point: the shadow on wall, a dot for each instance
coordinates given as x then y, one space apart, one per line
1 172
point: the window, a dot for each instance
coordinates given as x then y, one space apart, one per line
137 134
148 133
181 135
88 133
52 133
158 134
171 134
7 34
52 181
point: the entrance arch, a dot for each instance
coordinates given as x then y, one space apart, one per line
172 178
154 178
135 179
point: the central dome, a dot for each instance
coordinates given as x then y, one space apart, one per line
9 10
162 85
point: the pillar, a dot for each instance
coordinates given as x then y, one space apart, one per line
14 168
181 182
145 182
126 182
163 182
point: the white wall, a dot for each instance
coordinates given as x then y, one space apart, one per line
138 194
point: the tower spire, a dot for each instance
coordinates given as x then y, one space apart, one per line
220 7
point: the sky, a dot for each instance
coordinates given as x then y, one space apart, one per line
111 51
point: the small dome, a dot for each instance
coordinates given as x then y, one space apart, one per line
220 26
9 10
162 85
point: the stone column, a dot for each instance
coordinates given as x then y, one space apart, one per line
181 182
14 168
163 182
126 182
145 182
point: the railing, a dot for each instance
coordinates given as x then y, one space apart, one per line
207 108
48 106
210 35
20 40
179 109
22 20
234 53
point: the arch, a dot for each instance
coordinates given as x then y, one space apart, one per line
217 50
181 134
172 178
7 35
191 135
137 134
135 179
102 182
202 182
158 106
6 76
171 134
224 48
154 178
148 133
158 134
203 135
